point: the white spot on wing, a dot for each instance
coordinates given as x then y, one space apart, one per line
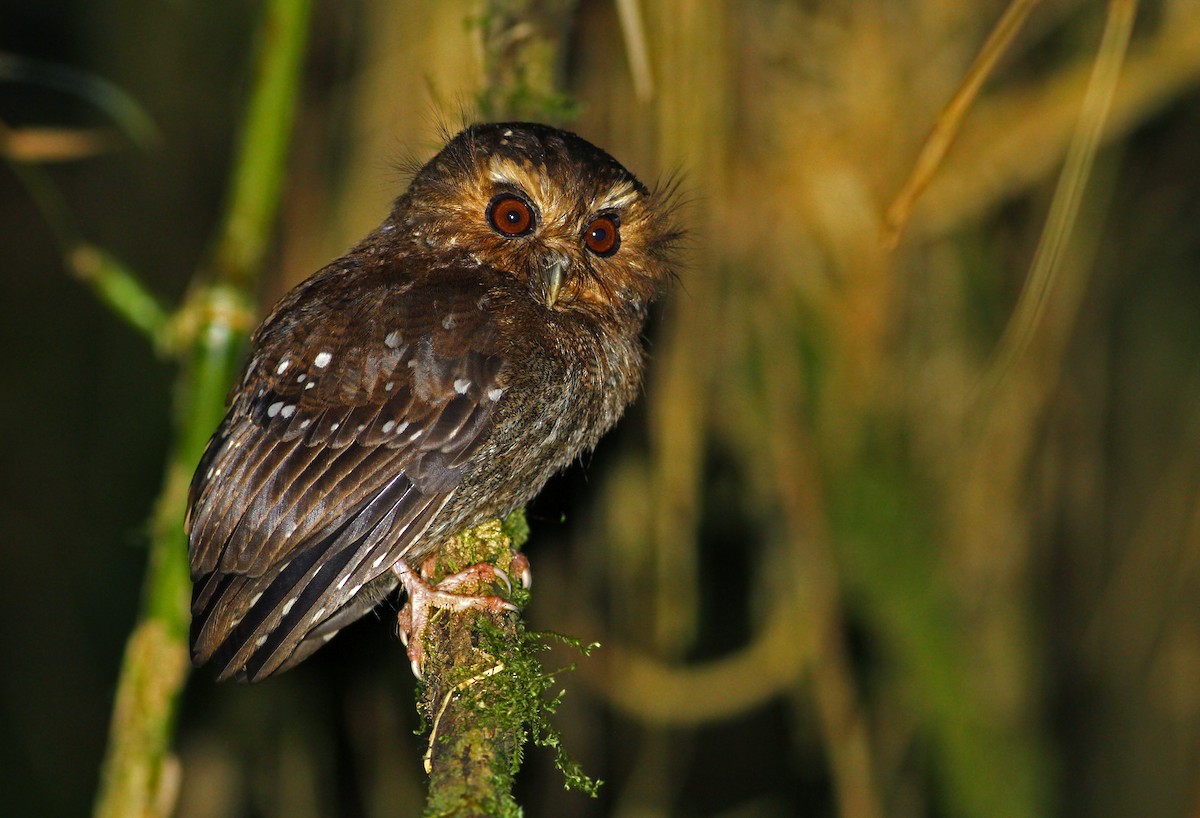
254 600
287 606
387 427
283 365
329 636
461 385
260 641
310 385
322 360
274 408
334 427
494 393
300 378
317 615
388 387
392 339
448 321
288 410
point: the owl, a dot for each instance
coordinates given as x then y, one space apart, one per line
485 335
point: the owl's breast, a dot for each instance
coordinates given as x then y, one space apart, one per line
566 385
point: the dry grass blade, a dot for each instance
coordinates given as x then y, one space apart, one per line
950 121
122 108
44 145
1072 182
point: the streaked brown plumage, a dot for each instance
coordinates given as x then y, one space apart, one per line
433 378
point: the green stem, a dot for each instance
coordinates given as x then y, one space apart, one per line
139 778
254 196
119 289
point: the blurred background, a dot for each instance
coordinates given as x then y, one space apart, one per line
881 539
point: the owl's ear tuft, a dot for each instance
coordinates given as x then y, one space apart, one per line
444 126
671 199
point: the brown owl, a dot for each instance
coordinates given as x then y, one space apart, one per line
433 378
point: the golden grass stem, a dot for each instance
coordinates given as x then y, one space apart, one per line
1064 208
949 122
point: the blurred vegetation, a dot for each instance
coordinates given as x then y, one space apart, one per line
853 554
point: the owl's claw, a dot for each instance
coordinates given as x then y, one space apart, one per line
520 563
423 598
475 575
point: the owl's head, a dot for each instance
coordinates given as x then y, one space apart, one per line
547 207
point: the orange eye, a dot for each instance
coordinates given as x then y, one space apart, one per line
603 235
510 216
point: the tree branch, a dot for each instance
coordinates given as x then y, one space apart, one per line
485 691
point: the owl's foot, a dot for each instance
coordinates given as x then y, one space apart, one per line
424 597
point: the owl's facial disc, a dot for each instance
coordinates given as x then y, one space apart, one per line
579 232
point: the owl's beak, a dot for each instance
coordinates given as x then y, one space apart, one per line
552 278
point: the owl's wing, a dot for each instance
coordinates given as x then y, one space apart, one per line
348 435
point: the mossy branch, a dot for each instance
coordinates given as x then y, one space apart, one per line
209 330
522 46
472 745
485 690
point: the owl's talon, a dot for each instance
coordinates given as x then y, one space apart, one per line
478 574
520 564
423 597
508 586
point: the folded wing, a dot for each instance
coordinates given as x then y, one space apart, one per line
352 429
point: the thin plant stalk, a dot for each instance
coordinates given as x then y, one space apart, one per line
139 776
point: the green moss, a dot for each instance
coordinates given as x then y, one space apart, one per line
520 696
516 527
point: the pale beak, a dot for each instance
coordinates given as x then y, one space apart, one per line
552 278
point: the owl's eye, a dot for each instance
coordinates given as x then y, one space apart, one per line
603 235
510 216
